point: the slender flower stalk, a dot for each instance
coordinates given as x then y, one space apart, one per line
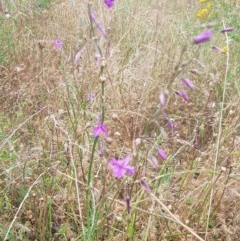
128 205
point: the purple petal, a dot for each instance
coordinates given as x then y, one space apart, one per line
94 19
145 185
183 95
228 29
162 153
203 37
101 30
129 170
100 129
118 172
96 131
57 43
120 167
162 99
188 83
109 3
217 49
104 129
90 97
125 160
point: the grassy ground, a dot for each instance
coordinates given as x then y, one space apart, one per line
65 75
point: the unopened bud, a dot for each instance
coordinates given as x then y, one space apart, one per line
137 142
109 140
103 63
115 117
102 78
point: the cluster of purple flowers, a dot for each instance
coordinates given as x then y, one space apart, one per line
121 167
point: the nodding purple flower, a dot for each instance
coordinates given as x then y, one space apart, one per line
94 19
203 37
153 161
57 43
109 3
183 95
170 124
121 167
100 129
194 71
128 206
217 49
162 153
162 99
78 56
228 29
188 83
145 185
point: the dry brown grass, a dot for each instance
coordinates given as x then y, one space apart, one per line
46 126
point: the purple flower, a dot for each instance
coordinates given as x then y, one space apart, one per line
188 83
162 153
109 3
228 29
217 49
57 43
94 19
183 95
194 71
90 97
145 185
120 167
100 129
203 37
170 124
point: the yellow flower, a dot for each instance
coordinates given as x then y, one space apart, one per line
225 49
202 1
208 5
202 13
